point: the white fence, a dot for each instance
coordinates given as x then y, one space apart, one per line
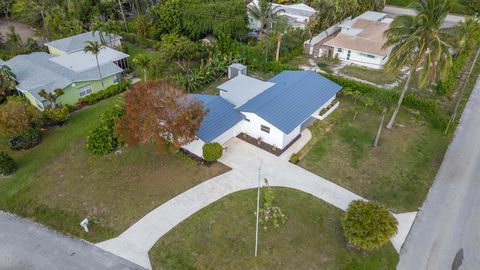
310 44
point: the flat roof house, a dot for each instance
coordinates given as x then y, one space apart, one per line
297 15
360 40
67 67
276 111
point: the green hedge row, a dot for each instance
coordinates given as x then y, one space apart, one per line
445 87
100 95
411 101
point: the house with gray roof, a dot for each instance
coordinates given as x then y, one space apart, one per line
77 43
274 111
69 68
296 15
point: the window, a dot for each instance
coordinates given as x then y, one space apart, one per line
265 128
116 79
339 50
367 55
86 90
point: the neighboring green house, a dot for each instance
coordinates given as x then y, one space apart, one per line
76 72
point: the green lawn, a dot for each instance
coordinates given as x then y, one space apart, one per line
397 174
221 236
58 183
372 75
456 6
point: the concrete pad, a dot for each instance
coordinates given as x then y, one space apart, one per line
305 137
405 222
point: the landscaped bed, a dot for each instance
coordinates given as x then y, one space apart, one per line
398 173
221 236
58 183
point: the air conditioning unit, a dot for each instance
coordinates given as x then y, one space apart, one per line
235 69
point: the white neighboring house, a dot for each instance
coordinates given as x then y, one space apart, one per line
297 15
360 40
275 111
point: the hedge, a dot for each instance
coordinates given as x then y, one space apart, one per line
7 164
411 101
445 87
103 94
212 151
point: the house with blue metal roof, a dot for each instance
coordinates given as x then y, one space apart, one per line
275 112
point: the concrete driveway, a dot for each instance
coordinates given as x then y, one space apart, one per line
245 161
27 245
446 234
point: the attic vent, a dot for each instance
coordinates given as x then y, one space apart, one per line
235 69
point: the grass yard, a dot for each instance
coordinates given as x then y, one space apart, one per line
372 75
456 6
58 183
398 173
221 236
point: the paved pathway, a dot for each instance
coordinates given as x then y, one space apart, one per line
245 160
27 245
446 233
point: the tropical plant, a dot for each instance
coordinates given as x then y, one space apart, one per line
419 42
7 81
102 139
56 115
18 116
266 14
25 140
95 47
270 215
143 61
467 34
368 225
474 5
12 38
212 151
51 97
7 164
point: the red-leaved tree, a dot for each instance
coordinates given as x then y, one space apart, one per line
157 112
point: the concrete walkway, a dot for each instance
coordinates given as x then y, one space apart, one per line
245 161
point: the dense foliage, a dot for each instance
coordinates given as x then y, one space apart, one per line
17 116
103 94
25 140
7 164
212 151
368 225
445 86
57 115
102 139
157 112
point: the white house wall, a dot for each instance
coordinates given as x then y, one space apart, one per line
253 128
358 59
196 147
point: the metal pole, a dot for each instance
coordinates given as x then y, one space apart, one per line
258 210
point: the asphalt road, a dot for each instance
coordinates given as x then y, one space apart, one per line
27 245
446 233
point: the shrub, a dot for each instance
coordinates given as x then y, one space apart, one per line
103 94
212 151
58 115
18 116
294 158
368 225
25 141
445 87
7 164
102 139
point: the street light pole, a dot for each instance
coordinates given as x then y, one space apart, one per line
258 210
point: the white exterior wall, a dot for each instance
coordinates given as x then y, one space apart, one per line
287 138
358 59
253 128
196 146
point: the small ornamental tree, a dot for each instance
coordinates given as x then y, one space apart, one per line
7 164
368 225
212 151
157 112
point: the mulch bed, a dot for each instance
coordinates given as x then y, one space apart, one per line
265 146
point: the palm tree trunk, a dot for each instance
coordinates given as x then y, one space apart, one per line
144 74
100 72
380 127
123 15
279 43
402 96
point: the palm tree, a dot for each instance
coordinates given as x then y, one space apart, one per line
7 81
95 47
265 13
467 34
52 97
143 61
419 41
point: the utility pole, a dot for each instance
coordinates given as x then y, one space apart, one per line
258 212
123 15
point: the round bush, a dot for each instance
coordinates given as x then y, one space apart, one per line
25 141
212 151
7 164
58 115
368 225
101 140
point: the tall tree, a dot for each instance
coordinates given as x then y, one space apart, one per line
51 96
95 47
157 112
467 34
7 81
419 42
143 61
265 13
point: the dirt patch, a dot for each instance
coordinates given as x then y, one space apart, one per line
25 31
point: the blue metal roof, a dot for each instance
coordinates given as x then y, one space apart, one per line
221 116
295 96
